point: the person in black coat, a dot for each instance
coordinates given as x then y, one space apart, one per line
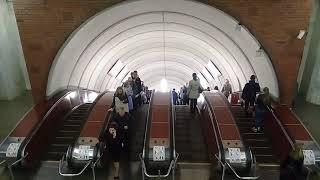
249 92
114 145
122 119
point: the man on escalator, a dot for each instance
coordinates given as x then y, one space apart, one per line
249 93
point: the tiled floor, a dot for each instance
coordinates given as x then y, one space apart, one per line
12 111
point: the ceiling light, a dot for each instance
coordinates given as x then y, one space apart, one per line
301 34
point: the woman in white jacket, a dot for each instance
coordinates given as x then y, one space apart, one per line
194 91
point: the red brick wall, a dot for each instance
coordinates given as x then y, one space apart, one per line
45 24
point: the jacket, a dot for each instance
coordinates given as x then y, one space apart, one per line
193 89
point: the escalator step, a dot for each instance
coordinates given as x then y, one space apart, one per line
67 133
64 140
55 156
266 159
252 135
58 148
262 150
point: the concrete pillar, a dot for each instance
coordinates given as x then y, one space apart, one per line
13 73
309 74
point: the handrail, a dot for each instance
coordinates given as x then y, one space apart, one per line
43 119
72 174
281 126
234 172
2 162
94 165
147 124
173 121
172 166
19 160
213 118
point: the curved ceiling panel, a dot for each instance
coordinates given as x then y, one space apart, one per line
160 41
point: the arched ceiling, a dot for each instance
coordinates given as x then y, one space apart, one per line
168 39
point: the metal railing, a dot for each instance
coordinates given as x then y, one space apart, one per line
15 163
71 174
170 169
94 165
2 162
281 126
147 124
227 165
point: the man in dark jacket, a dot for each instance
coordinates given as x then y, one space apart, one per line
136 88
174 97
249 92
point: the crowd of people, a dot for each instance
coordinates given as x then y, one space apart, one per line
127 98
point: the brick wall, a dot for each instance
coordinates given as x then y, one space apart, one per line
44 25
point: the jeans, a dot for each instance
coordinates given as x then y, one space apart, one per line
193 104
247 103
260 115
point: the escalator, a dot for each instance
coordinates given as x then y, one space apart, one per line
137 129
68 132
259 143
190 141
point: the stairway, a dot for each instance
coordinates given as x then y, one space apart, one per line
259 143
137 129
69 132
190 142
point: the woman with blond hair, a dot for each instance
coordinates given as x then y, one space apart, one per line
263 101
292 168
120 100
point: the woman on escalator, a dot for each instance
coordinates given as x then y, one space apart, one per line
263 101
120 100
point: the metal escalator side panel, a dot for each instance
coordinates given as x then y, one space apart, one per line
299 134
159 135
227 131
53 119
25 127
92 130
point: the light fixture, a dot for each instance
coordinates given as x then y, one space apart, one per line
259 52
301 34
114 71
238 27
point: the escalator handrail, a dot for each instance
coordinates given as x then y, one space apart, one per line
234 171
2 162
43 119
21 119
146 131
71 174
172 166
173 121
281 126
213 118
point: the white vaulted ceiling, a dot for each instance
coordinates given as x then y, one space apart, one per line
168 39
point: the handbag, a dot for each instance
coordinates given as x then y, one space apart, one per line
200 90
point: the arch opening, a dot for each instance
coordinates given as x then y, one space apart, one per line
168 39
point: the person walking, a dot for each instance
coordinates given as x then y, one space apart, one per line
174 97
226 89
262 103
249 93
194 91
